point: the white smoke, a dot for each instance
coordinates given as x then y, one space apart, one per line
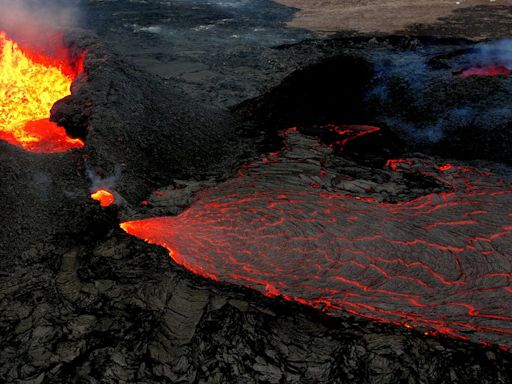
37 22
98 182
495 52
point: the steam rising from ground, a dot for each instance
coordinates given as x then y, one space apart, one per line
495 52
36 20
99 182
407 85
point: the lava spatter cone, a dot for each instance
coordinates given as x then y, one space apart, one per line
105 197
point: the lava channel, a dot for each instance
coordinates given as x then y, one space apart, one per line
30 84
440 263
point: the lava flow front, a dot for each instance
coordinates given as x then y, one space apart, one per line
30 84
440 263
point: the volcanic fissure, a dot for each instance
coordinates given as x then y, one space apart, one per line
30 83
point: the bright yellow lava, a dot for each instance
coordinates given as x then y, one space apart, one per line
29 86
105 197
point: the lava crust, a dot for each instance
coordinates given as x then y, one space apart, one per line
439 263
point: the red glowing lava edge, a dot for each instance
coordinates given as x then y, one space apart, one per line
488 70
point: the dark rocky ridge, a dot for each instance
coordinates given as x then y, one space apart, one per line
133 122
83 302
407 86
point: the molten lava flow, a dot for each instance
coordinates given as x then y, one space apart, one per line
29 86
105 197
444 167
489 70
350 132
440 263
398 164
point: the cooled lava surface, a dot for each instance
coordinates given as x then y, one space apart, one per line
440 263
30 83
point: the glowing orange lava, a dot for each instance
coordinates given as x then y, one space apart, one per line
29 86
445 167
105 197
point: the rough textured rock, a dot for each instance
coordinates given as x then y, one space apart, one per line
135 124
81 301
140 318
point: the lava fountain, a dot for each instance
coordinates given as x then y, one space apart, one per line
440 263
30 83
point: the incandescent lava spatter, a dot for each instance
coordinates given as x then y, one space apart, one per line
30 83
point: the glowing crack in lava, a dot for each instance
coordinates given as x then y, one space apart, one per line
489 70
29 86
106 198
441 263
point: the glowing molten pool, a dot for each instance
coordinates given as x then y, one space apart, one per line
29 86
105 197
441 263
489 70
